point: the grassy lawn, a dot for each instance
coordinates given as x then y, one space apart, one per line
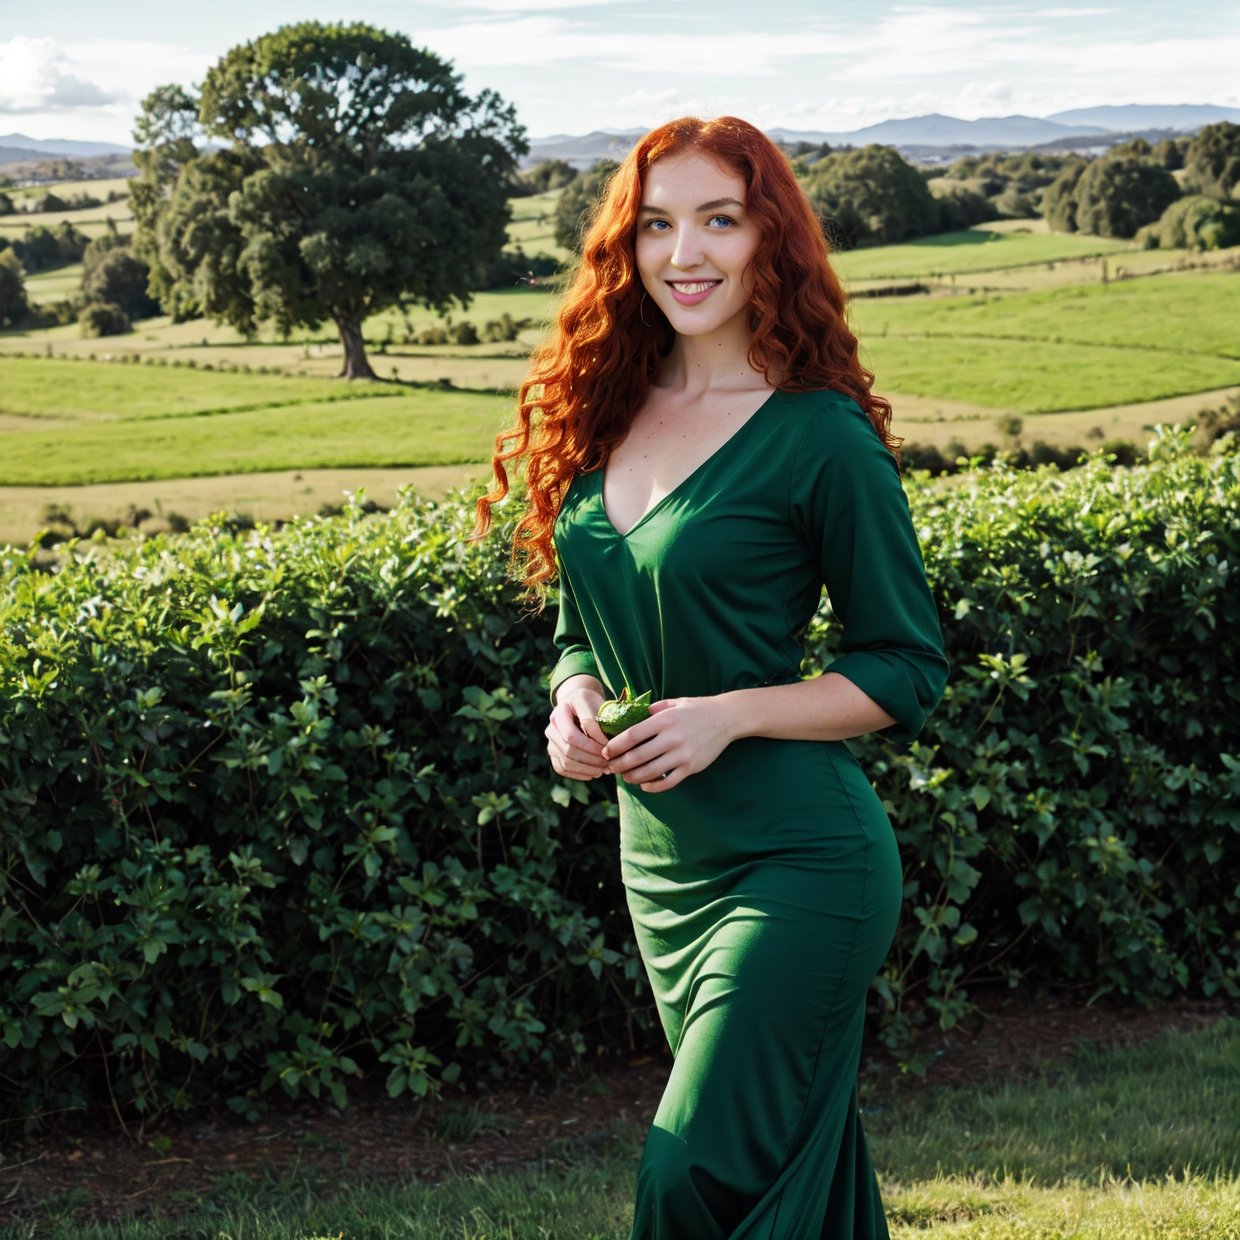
99 187
1123 1143
93 221
268 497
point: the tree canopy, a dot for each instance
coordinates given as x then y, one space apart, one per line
13 304
1212 161
325 172
1059 200
577 204
870 195
1116 195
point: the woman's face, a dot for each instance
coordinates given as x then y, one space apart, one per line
695 243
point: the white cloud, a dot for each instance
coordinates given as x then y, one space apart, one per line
657 106
527 6
536 43
37 76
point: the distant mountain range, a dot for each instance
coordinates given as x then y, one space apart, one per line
17 148
917 135
1081 127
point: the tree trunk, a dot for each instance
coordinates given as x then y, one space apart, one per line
356 365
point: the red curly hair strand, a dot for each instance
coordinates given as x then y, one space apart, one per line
588 379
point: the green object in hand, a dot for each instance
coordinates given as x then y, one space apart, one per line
623 712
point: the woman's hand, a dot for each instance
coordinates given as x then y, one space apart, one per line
574 739
681 737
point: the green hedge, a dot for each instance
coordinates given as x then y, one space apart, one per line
276 810
1070 816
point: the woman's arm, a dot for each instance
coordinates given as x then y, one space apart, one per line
685 735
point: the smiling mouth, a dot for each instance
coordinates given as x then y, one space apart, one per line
688 292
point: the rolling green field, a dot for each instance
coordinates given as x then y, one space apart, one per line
533 225
1020 321
1179 314
99 187
93 221
147 424
55 285
973 250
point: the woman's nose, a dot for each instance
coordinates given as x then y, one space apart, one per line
688 250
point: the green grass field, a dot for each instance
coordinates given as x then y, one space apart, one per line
1126 1143
55 285
97 188
401 427
1082 347
1049 340
533 225
973 250
1177 314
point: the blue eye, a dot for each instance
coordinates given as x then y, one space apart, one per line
651 224
725 220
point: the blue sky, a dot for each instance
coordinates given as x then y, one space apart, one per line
70 69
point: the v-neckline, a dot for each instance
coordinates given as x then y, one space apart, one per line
684 482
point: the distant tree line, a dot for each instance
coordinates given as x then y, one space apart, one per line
261 201
1179 192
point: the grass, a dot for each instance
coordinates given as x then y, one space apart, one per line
98 391
99 187
1032 376
58 284
413 428
972 250
1081 347
93 221
1188 313
533 225
267 497
1110 1144
1078 359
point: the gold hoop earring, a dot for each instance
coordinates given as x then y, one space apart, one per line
641 310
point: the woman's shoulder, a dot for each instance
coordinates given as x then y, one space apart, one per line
828 422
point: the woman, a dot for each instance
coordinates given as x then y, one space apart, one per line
702 453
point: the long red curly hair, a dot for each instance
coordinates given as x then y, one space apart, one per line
588 379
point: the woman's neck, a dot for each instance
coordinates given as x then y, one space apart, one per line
720 361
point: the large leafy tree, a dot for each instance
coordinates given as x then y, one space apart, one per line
13 305
325 172
1117 194
1059 201
1212 161
870 195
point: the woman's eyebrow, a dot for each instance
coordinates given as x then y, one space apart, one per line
716 203
713 205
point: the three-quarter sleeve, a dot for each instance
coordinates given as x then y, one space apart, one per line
849 504
576 657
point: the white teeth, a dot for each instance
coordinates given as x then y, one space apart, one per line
691 290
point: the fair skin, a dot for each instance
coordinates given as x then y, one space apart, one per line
694 248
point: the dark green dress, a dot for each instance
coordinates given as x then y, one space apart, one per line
765 889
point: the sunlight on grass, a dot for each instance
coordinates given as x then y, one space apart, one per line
1136 1143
